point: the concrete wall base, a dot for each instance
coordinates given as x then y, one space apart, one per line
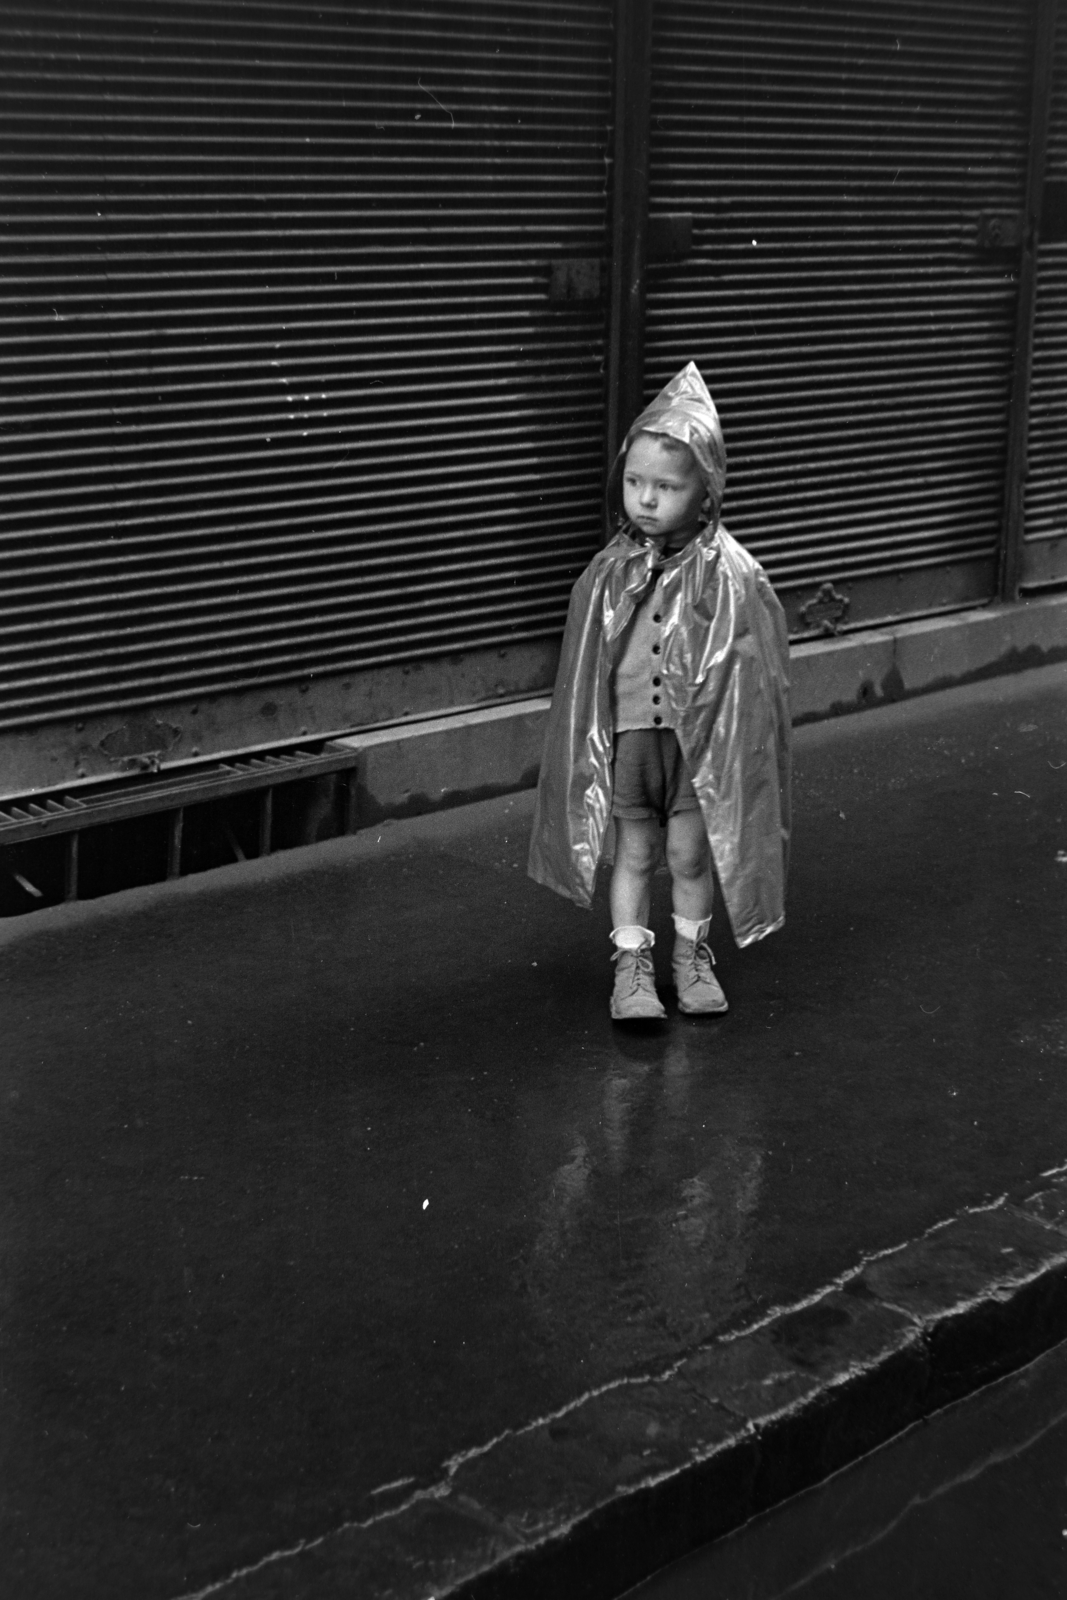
474 755
445 761
856 671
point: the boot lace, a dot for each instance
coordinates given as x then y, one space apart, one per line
642 973
697 960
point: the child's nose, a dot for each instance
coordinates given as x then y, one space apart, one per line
648 494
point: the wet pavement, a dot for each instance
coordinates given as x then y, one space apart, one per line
323 1172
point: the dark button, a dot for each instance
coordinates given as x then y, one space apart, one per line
657 720
656 682
655 699
655 649
656 617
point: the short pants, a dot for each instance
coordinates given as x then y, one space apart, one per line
650 777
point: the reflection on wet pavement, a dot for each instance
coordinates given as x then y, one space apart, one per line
645 1227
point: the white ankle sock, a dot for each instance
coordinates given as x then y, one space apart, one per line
685 928
631 936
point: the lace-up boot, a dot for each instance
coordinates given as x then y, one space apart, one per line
634 997
698 988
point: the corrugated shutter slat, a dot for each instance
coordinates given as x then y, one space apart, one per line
283 391
835 157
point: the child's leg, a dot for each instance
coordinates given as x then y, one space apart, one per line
689 860
636 854
692 888
634 997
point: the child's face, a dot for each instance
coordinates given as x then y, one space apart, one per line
662 490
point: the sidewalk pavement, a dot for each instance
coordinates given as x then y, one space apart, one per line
348 1247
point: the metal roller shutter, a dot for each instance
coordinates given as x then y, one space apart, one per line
284 391
837 157
1045 544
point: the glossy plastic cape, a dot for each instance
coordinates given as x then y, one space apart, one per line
726 676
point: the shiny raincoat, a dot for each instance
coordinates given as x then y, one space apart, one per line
725 676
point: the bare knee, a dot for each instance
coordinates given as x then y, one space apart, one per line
636 845
688 855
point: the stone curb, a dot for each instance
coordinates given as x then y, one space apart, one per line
591 1500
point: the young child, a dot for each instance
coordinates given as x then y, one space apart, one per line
670 714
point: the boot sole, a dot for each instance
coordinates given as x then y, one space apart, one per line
638 1016
703 1011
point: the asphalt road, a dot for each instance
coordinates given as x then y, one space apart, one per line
320 1171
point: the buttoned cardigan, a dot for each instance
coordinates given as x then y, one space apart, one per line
637 683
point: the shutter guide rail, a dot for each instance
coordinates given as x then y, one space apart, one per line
1043 556
1014 515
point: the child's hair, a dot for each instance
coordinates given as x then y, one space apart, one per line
673 446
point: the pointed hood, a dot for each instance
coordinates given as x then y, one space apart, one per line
685 410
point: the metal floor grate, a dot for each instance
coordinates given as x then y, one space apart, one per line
29 820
